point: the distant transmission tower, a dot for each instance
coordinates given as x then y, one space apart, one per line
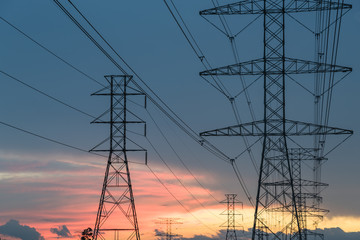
169 222
282 205
230 213
116 218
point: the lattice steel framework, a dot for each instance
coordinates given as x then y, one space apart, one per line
169 222
116 217
230 212
281 204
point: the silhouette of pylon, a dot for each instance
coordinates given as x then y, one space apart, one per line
169 222
230 212
116 217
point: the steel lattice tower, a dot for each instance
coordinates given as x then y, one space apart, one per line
230 213
116 217
169 222
281 209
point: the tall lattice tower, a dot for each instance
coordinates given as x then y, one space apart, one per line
116 217
283 200
230 212
169 222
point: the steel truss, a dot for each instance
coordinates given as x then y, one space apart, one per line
116 216
257 7
292 66
230 212
283 201
169 222
275 128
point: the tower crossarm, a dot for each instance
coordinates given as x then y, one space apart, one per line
308 209
292 128
305 183
292 66
292 6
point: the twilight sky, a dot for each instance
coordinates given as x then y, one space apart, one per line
47 186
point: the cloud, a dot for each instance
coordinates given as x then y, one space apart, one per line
61 231
161 234
6 237
329 233
13 229
338 233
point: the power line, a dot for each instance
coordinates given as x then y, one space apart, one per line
182 162
199 53
181 204
88 35
51 52
48 139
46 95
231 99
77 148
167 110
176 177
84 113
78 110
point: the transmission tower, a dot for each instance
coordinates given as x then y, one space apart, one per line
230 213
282 206
116 217
169 222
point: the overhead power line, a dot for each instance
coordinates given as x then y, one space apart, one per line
48 139
46 94
91 116
200 54
72 107
181 204
51 52
180 159
152 96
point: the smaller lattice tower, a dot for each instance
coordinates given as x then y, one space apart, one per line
116 217
169 222
230 212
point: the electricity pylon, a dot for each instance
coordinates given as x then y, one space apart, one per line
116 216
169 222
280 210
230 212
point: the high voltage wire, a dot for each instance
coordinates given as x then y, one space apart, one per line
67 63
91 116
325 44
48 139
182 162
68 105
237 116
181 204
177 178
107 43
244 86
187 130
46 95
219 85
167 110
86 151
51 52
327 108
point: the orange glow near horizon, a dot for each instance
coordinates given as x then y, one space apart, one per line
70 197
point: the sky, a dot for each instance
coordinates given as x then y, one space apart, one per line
50 191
